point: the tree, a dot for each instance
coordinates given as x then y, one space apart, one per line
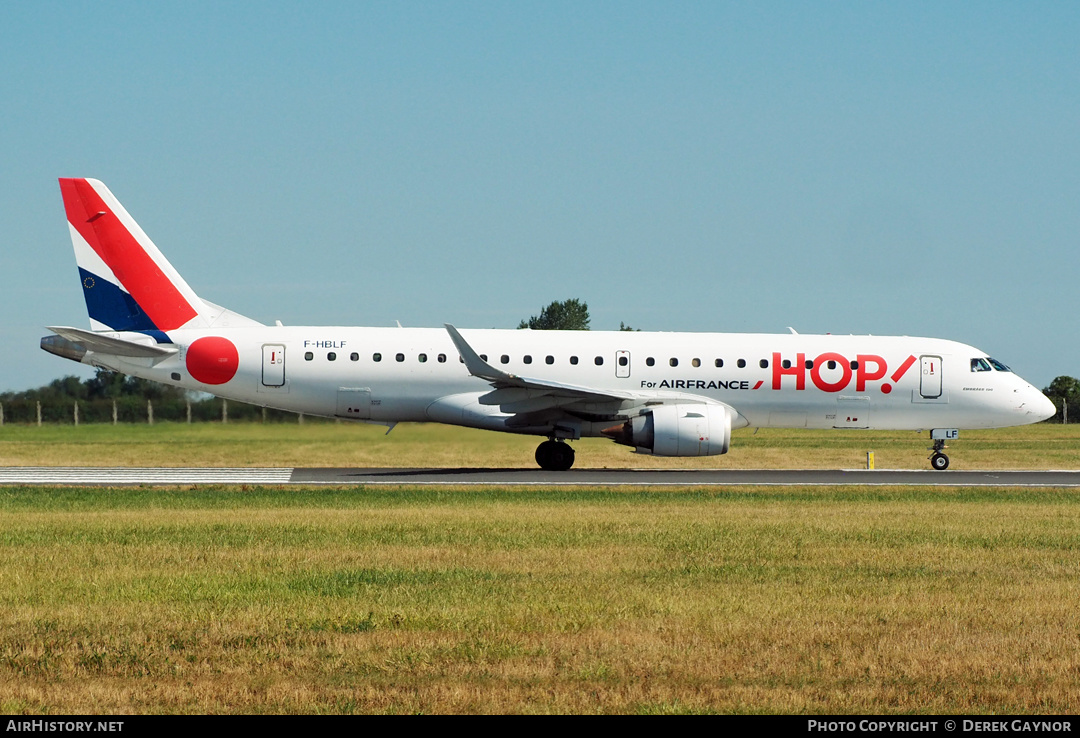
568 315
624 327
1064 391
105 385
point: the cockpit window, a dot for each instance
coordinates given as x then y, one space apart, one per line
979 365
998 365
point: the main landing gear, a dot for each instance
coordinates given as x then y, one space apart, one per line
554 455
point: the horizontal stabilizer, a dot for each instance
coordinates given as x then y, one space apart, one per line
112 344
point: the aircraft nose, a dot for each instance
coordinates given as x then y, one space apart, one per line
1034 405
1042 407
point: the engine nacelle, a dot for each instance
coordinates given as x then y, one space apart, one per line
677 430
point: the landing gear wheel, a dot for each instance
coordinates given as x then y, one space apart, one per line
939 461
554 456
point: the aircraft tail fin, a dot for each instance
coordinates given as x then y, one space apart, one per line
128 283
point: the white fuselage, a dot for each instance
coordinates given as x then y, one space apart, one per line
770 380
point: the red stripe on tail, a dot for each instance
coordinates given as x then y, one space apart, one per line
137 271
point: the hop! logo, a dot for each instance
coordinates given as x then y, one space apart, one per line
865 368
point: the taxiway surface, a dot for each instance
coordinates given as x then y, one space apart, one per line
533 476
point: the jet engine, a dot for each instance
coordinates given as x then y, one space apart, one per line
677 430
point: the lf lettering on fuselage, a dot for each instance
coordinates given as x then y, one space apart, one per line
669 394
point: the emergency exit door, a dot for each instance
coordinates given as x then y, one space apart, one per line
273 365
930 382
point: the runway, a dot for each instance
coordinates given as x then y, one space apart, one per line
120 476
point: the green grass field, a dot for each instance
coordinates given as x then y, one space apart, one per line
341 600
429 445
455 600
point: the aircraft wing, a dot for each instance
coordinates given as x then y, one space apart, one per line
504 380
536 402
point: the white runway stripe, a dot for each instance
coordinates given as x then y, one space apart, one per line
92 475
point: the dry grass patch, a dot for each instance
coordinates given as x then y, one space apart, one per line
524 600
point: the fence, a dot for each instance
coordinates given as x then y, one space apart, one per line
1063 411
138 410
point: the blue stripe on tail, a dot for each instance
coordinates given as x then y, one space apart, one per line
110 305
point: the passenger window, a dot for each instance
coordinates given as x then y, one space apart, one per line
354 356
504 359
741 363
623 361
979 365
399 357
786 363
809 364
422 358
482 356
764 363
527 359
719 363
549 359
442 358
854 365
331 356
696 362
599 361
376 357
573 360
308 356
673 361
832 364
650 361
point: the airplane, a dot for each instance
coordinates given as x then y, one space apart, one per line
667 394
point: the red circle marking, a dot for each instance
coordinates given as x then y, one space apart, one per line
212 360
886 388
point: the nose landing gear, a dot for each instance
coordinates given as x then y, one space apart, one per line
554 455
938 460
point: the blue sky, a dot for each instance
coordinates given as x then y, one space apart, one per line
888 168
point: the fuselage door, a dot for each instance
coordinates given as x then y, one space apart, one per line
930 382
354 402
273 366
852 412
622 364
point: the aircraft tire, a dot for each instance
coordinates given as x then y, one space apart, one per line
554 456
940 462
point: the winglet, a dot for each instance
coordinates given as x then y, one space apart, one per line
477 366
